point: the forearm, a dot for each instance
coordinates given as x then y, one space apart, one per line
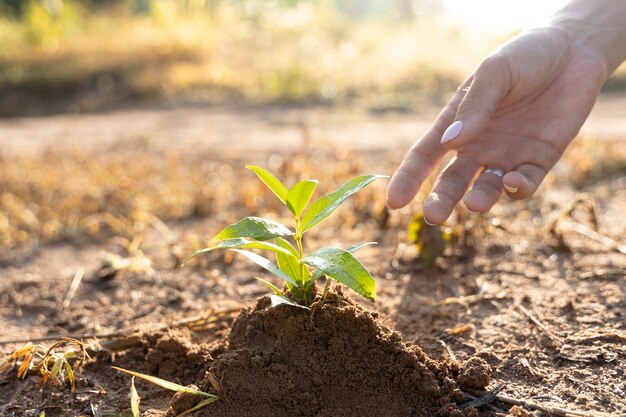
598 24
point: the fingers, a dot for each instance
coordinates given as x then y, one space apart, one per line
523 181
411 173
422 157
518 184
449 189
485 192
417 165
490 85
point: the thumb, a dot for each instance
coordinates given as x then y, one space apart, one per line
490 84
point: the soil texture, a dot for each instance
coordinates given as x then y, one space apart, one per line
91 240
334 360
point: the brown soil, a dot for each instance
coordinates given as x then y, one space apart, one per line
545 311
334 360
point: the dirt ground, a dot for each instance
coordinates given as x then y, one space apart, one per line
248 128
535 290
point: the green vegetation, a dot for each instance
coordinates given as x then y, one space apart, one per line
430 241
291 263
79 55
68 54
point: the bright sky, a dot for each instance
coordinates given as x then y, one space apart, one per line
502 16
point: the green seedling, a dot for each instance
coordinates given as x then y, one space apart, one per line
430 241
299 272
209 398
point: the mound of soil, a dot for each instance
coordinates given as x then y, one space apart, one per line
331 361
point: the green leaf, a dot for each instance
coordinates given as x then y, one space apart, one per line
300 195
244 243
358 246
342 266
254 227
324 206
351 249
289 264
267 265
166 384
272 287
134 398
278 300
271 181
284 243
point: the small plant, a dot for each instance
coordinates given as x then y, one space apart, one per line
430 241
51 363
292 266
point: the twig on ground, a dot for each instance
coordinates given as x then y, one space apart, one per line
565 221
607 336
78 277
95 410
483 400
526 364
448 349
548 397
603 273
557 411
593 235
511 271
547 409
556 340
61 336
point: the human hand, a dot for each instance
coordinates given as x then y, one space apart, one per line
517 113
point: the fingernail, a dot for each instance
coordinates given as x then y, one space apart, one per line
429 223
428 201
389 207
472 211
452 131
510 189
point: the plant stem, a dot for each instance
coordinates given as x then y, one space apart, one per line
303 270
326 288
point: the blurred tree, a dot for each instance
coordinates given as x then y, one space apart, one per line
357 9
19 6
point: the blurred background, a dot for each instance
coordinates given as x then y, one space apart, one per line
73 56
124 129
110 108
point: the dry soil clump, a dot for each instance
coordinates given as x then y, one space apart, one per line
334 360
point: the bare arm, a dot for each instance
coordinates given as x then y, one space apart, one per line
601 24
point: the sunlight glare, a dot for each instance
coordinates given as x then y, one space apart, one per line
503 16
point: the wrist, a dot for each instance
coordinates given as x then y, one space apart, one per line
598 26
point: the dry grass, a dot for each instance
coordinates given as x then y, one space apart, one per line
126 193
63 195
